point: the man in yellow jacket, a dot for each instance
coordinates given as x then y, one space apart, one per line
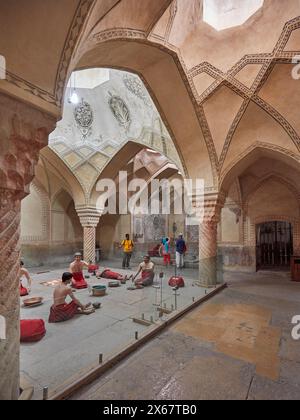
127 245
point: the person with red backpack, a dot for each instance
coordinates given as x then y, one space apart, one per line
180 251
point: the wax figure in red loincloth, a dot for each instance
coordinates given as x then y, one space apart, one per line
146 270
112 275
24 291
76 268
61 310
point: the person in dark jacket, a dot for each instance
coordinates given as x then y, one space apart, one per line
180 251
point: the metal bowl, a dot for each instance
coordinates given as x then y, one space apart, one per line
33 301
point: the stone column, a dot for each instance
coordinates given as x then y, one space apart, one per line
208 245
208 253
89 219
23 133
9 292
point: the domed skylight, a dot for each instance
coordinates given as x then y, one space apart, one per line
224 14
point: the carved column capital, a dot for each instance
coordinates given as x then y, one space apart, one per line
213 204
24 132
89 216
208 208
89 219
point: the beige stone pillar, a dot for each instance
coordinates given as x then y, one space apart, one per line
208 253
23 133
89 219
208 244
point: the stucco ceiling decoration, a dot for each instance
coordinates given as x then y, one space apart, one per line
106 122
120 110
135 86
84 117
225 14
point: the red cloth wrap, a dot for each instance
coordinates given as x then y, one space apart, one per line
23 291
78 281
63 312
32 330
93 267
111 275
147 278
176 281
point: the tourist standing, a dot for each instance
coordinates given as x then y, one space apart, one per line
127 245
180 251
165 251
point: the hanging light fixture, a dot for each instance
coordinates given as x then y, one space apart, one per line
73 98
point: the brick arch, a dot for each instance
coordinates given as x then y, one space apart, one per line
250 156
272 176
57 194
184 112
249 226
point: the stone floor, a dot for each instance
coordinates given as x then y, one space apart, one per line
236 346
70 348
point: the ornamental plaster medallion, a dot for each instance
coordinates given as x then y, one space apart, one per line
120 111
84 118
135 86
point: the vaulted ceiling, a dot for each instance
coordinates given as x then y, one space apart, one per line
219 92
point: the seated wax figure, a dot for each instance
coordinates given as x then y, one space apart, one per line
147 270
76 268
60 310
24 291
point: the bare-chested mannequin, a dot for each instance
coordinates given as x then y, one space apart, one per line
25 273
62 311
78 264
76 268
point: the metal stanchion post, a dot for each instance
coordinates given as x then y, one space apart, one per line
45 393
161 276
